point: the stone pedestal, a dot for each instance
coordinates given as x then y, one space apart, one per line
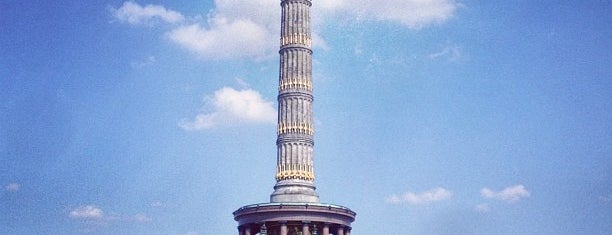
285 218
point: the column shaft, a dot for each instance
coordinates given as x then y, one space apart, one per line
340 231
326 229
295 126
283 229
305 228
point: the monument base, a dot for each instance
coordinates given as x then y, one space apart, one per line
294 191
294 218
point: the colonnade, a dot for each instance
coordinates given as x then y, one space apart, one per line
294 228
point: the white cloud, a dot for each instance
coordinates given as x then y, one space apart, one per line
157 204
95 215
135 14
234 29
319 42
233 106
13 187
451 52
142 218
250 29
265 13
414 14
482 208
427 197
332 4
225 39
509 194
88 212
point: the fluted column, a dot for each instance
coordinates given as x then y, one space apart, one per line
340 231
295 166
294 206
305 228
283 228
326 229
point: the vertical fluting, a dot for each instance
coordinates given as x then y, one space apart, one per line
295 170
294 206
295 127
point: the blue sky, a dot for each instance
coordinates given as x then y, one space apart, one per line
432 116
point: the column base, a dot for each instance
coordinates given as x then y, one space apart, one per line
290 218
294 191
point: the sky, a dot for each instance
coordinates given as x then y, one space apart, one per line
431 116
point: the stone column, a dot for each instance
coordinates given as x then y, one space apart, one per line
348 231
326 229
305 228
340 231
295 143
283 228
247 231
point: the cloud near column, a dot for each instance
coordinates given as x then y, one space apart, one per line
509 194
135 14
421 198
230 107
88 212
234 29
249 29
414 14
225 39
94 217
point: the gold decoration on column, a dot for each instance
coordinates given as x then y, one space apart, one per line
296 39
294 171
301 128
296 83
